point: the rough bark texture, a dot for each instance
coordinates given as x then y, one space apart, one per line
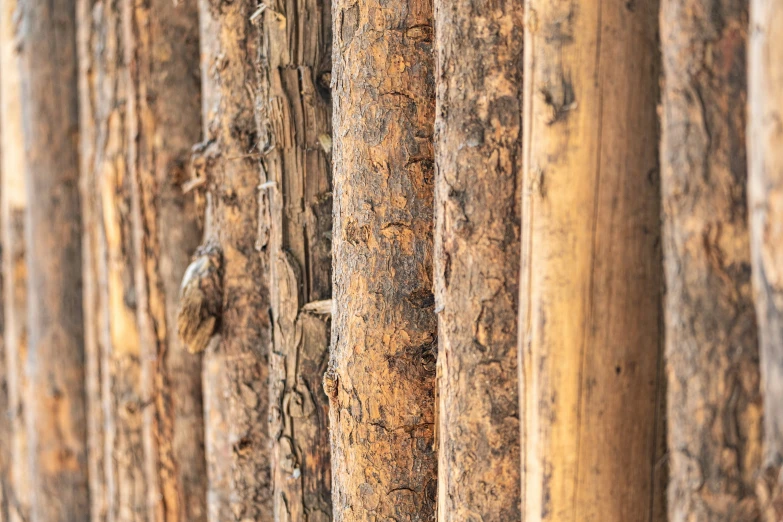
714 404
765 199
91 252
478 156
382 369
13 202
294 116
56 420
590 329
235 366
164 119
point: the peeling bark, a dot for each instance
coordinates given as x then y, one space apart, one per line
382 367
56 420
590 334
714 403
164 119
294 118
479 150
235 364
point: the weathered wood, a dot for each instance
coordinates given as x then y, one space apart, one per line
91 253
13 204
235 365
590 334
714 404
294 117
6 420
115 262
56 420
381 379
765 200
164 119
478 145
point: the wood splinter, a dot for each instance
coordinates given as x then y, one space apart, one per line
200 300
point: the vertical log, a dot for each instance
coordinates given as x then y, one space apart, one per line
225 290
478 156
591 278
714 404
91 253
6 421
56 424
114 264
765 199
13 204
164 120
294 114
382 368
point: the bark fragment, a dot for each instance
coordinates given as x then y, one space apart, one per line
200 301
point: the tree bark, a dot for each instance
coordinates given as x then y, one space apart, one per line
765 199
715 410
295 134
382 369
56 424
225 290
590 352
114 267
13 204
478 152
164 119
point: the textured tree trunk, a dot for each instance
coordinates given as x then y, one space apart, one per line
114 264
91 252
295 134
591 277
13 204
164 117
479 148
765 198
224 291
714 404
56 420
382 369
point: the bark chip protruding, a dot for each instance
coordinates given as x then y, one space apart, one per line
200 300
